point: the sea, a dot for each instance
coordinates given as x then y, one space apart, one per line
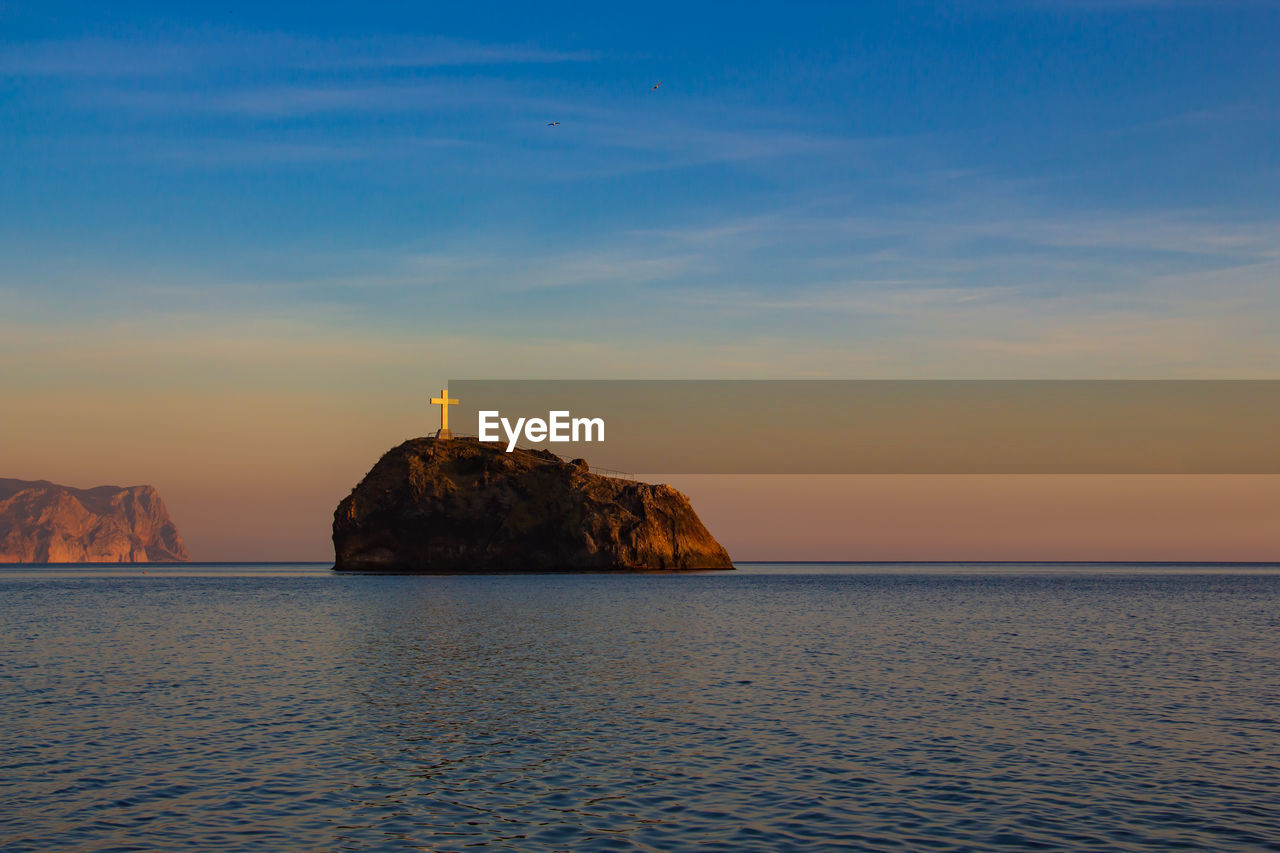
883 707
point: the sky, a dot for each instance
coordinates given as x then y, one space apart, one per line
239 246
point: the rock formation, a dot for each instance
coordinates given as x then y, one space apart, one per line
42 522
462 506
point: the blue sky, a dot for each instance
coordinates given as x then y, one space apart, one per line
993 187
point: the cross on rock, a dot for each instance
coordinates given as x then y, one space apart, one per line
444 403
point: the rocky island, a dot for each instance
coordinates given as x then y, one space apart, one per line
43 522
459 505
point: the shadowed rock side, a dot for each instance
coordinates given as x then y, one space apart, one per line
42 522
463 506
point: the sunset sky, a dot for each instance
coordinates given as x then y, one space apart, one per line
240 247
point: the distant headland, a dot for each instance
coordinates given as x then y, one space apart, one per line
43 522
457 505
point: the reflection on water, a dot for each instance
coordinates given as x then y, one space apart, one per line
755 711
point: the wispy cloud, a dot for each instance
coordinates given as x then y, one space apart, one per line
264 154
189 53
948 237
287 100
501 122
996 301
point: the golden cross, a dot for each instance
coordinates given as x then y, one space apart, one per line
444 403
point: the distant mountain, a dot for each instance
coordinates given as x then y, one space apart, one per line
42 522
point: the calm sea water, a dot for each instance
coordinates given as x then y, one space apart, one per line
781 708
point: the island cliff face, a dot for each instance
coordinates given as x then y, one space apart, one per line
461 506
42 522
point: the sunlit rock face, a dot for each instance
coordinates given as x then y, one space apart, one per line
459 505
43 522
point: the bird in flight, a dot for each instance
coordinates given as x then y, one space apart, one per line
655 85
552 123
